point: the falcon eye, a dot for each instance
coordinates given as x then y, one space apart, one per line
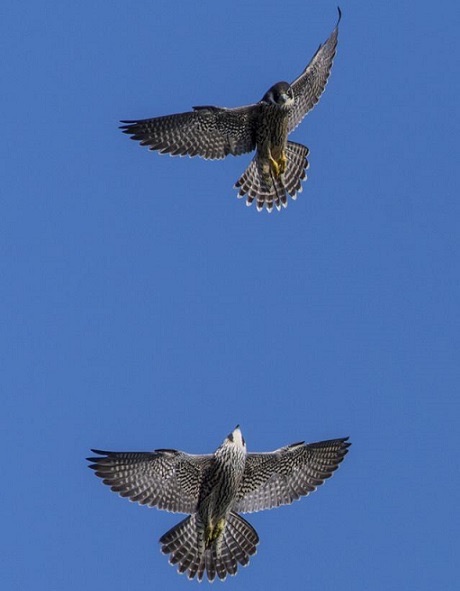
244 441
231 437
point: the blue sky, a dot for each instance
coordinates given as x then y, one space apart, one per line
144 306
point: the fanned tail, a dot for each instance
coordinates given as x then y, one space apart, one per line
239 542
185 544
274 192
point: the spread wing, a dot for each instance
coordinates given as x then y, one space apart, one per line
165 478
283 476
310 85
209 132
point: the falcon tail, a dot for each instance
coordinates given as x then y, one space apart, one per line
254 186
185 543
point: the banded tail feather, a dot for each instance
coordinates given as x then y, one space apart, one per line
185 544
275 190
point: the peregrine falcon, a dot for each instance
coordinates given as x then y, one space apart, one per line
213 489
279 166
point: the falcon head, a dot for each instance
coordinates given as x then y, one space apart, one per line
236 438
232 451
280 94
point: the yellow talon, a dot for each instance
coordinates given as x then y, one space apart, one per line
212 533
283 162
278 167
275 167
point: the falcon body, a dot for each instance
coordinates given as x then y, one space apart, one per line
212 489
279 166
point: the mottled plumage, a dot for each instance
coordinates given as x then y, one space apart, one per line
213 489
279 166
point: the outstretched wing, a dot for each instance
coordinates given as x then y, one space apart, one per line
165 478
310 85
283 476
209 132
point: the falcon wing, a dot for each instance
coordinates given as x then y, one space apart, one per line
283 476
165 478
209 132
310 85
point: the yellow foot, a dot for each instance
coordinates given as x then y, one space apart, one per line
213 532
278 167
275 167
283 162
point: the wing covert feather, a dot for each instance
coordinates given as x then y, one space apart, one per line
310 85
283 476
167 479
209 132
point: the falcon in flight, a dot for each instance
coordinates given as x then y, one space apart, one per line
213 489
279 166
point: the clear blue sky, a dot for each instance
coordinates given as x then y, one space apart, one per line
144 306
